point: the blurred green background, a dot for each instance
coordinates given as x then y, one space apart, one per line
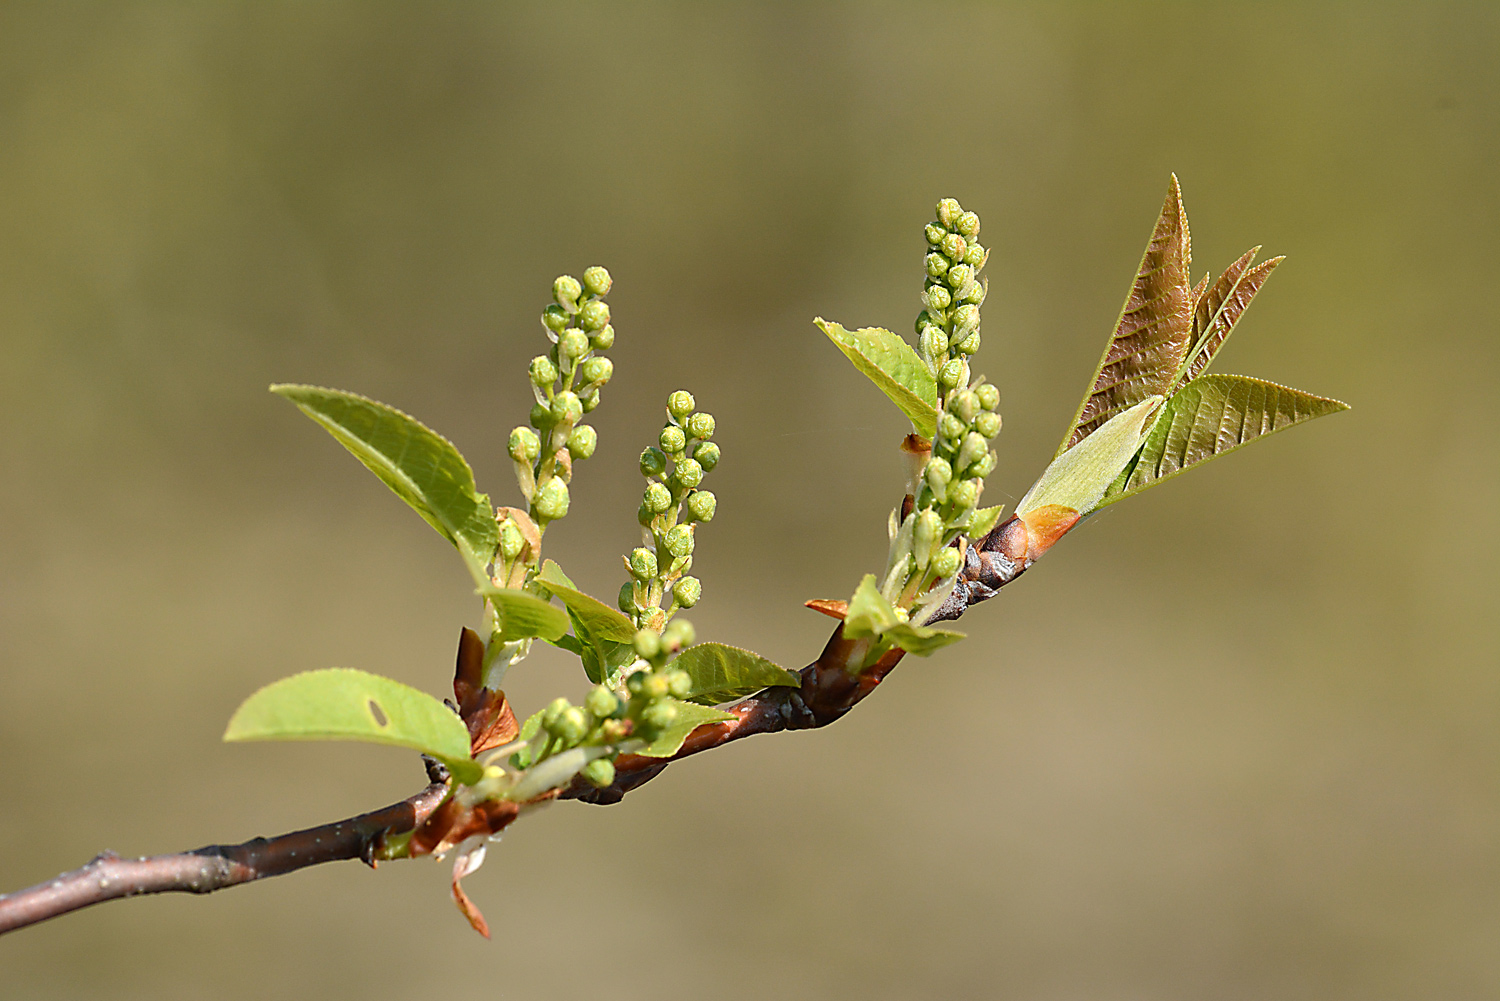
1237 738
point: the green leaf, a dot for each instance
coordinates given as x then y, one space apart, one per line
421 466
1210 416
1154 331
1220 307
341 703
898 371
524 615
722 673
1079 477
869 614
689 718
529 730
920 640
982 521
601 621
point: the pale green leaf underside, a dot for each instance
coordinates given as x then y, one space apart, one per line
722 673
1079 477
418 464
869 613
689 718
889 362
920 640
1210 416
341 703
525 615
601 621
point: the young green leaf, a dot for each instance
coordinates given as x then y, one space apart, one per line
1078 478
1210 416
982 521
920 640
898 371
869 614
723 673
341 703
601 621
689 718
526 755
524 615
1153 333
419 465
1220 308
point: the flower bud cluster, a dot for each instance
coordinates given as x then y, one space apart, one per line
948 325
601 722
566 382
672 506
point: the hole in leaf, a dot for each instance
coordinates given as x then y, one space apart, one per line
378 713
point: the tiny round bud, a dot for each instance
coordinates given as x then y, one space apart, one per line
680 540
963 494
948 211
688 473
958 276
653 462
672 439
554 711
647 644
989 395
934 234
657 498
555 318
644 514
551 501
969 345
656 686
967 224
972 450
939 473
945 562
984 466
937 265
928 529
602 340
934 341
566 290
642 563
598 773
680 633
597 281
590 400
701 505
938 297
954 247
975 256
582 442
593 315
687 591
966 317
977 292
987 423
701 425
566 407
541 416
572 725
680 684
601 701
511 540
680 404
952 428
626 601
963 404
597 369
951 374
524 444
635 683
543 373
707 455
659 715
573 343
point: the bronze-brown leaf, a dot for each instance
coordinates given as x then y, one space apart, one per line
1222 305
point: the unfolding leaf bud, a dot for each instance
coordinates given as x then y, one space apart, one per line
687 591
680 633
967 224
603 339
626 601
989 395
653 462
987 423
688 473
927 531
939 473
934 341
969 344
984 466
566 291
647 644
659 715
566 407
541 416
601 701
573 343
954 247
701 425
672 439
593 315
975 256
658 498
963 404
597 281
973 449
680 404
945 562
701 505
951 374
966 317
524 444
707 455
963 494
938 297
958 276
597 369
582 442
937 265
948 211
543 373
935 234
680 540
598 773
555 318
951 427
551 501
642 563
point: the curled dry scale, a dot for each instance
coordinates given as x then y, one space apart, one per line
659 696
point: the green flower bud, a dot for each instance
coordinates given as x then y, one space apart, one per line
543 373
672 439
680 633
680 404
987 423
937 265
939 473
701 505
951 374
975 256
657 498
934 341
656 686
582 442
925 320
967 224
976 295
653 462
700 425
951 427
571 725
642 563
972 450
680 540
626 601
635 684
963 405
679 683
511 540
590 400
554 711
551 501
958 276
984 466
954 247
647 644
707 455
927 531
555 318
598 773
659 715
688 473
966 317
644 514
566 291
566 407
597 281
601 701
989 395
593 315
573 343
687 591
948 211
938 297
934 234
603 339
524 444
597 369
964 494
969 345
541 416
945 562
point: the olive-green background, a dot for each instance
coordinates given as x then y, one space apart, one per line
1236 738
